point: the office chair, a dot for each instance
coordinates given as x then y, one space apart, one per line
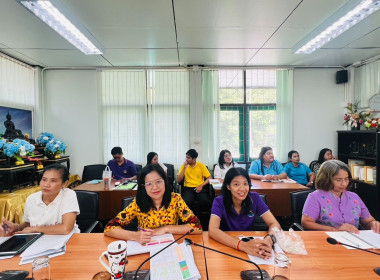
93 172
133 225
312 164
259 224
297 200
171 176
87 220
139 168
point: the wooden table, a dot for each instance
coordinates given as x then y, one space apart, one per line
277 195
324 261
81 260
109 200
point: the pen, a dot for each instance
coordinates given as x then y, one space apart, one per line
139 228
5 226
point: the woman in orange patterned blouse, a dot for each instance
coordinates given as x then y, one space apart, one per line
157 209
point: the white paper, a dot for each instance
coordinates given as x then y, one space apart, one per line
357 240
159 241
166 265
56 253
46 244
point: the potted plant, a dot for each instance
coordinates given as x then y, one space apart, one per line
18 149
54 148
353 118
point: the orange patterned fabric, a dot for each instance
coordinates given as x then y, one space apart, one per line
156 218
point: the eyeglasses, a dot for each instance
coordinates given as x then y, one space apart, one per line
246 238
158 182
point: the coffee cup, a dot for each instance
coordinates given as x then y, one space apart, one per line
117 258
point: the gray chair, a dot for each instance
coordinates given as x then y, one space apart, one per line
93 172
87 220
133 225
297 201
259 224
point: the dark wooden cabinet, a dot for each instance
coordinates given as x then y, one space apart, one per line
363 145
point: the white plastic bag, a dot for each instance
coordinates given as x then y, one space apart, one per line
107 176
292 243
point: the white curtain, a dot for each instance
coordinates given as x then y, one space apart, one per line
124 111
145 111
284 114
17 84
168 133
366 82
210 124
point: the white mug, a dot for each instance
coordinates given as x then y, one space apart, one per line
117 258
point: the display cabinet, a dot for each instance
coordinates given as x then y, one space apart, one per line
363 145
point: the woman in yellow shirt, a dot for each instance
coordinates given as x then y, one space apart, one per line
157 209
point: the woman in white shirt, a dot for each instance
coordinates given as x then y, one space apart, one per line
225 162
53 210
152 158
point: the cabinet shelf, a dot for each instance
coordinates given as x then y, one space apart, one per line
356 157
363 142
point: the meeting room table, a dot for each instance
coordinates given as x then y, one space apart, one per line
109 200
81 260
323 261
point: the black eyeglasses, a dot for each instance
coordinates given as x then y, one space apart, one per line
247 238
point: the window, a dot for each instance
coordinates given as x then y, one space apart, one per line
247 111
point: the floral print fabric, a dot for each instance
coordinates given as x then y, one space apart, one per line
156 218
328 209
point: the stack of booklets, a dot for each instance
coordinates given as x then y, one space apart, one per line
365 239
46 245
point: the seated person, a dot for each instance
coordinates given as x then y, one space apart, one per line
152 158
122 169
299 171
157 209
324 155
225 163
266 167
193 174
331 207
235 210
53 210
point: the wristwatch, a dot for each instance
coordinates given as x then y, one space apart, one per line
311 182
272 237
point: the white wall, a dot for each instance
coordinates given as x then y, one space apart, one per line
318 113
72 114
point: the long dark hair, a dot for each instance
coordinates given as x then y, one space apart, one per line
143 200
261 156
221 158
150 156
246 205
321 157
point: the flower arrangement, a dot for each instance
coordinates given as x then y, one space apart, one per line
44 138
372 123
354 118
55 147
18 149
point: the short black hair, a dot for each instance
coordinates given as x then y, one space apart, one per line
116 151
143 200
61 168
150 156
290 154
227 196
321 157
192 153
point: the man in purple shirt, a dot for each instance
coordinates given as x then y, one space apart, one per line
122 169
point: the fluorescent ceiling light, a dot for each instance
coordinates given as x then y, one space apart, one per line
346 17
53 14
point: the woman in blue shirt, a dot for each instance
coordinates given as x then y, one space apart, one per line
266 167
299 171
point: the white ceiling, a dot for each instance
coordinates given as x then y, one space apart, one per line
188 32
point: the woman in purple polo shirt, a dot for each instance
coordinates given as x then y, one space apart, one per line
331 207
235 210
